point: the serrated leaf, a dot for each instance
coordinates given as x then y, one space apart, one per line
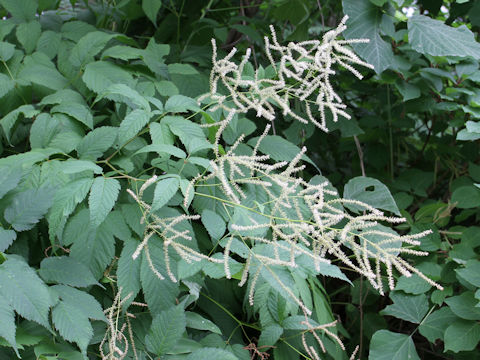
387 345
370 191
28 34
128 270
28 207
96 142
9 178
9 120
132 124
196 321
150 8
83 301
270 335
6 85
103 195
7 319
407 307
124 93
167 328
364 23
6 51
6 238
463 306
74 166
214 224
164 191
433 327
89 46
24 290
49 43
413 284
433 37
38 69
72 325
22 11
462 335
78 111
211 354
466 197
162 149
100 75
67 271
180 103
471 272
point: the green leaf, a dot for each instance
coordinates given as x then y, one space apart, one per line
433 37
413 284
38 69
83 301
197 321
463 306
180 103
370 191
72 325
214 224
24 290
471 272
364 23
462 335
208 353
21 10
7 237
6 51
270 335
28 207
190 134
6 85
125 94
162 149
103 195
9 120
79 112
128 270
167 328
433 327
132 124
67 271
154 55
28 35
96 142
7 319
74 166
89 46
387 345
100 75
164 191
150 8
279 149
9 178
466 197
407 307
49 43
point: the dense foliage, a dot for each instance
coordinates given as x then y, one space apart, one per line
142 180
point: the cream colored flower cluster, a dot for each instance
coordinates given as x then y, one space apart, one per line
303 72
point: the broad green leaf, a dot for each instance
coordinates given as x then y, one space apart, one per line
214 224
72 325
21 10
462 335
9 120
370 191
407 307
270 335
197 321
75 30
122 52
38 69
25 291
79 112
100 75
162 149
63 96
128 270
471 272
28 207
364 23
413 284
190 134
208 353
466 197
7 319
89 46
6 238
167 328
6 51
279 149
28 35
74 166
83 301
463 306
375 239
49 43
433 37
387 345
154 55
164 191
6 85
180 104
433 327
67 271
103 195
96 142
132 124
150 8
9 178
124 93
